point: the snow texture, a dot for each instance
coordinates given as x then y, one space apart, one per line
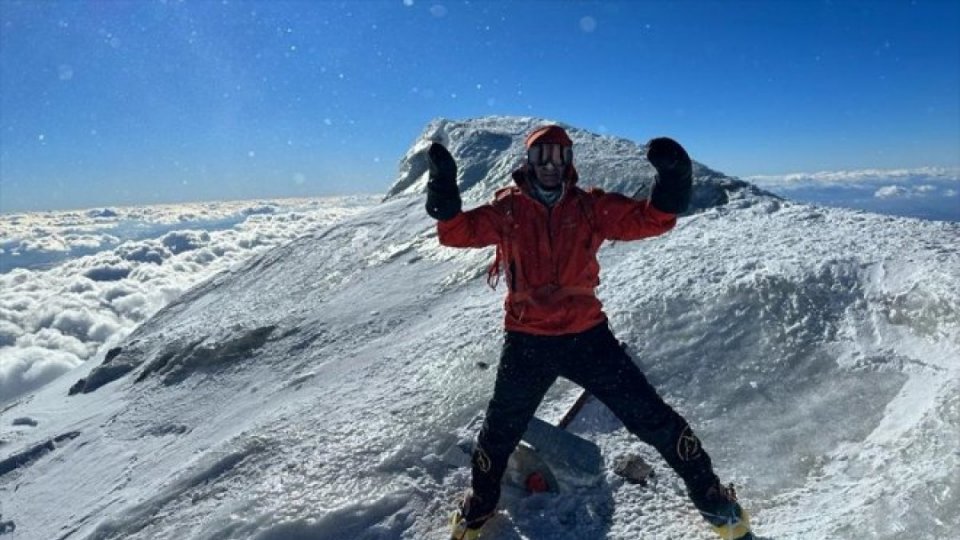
488 149
310 392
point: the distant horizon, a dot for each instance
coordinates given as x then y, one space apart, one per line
801 176
174 202
119 201
897 192
151 102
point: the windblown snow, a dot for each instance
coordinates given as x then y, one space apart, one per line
309 392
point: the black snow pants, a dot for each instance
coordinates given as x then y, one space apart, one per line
593 359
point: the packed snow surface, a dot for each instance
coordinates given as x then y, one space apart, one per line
309 392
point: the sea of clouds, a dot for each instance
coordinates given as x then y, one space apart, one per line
74 283
927 193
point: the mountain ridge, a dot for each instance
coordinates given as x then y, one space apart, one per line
492 147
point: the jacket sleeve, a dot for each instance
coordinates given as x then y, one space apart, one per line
622 218
479 227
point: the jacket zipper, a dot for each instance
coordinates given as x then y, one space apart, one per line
553 255
554 263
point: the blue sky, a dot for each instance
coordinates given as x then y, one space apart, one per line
113 102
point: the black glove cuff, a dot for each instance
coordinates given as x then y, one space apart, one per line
672 191
442 205
670 203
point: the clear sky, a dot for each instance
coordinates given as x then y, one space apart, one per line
128 102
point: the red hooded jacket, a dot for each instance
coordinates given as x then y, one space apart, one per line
549 255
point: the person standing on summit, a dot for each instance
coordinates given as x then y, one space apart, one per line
547 231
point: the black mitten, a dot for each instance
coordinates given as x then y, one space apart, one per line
443 195
674 182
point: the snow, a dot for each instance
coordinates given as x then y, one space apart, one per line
310 391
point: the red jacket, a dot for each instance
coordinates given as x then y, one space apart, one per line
549 255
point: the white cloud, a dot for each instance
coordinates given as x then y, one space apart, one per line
926 193
52 319
145 252
857 177
9 332
53 339
135 307
890 192
181 241
36 239
896 191
25 369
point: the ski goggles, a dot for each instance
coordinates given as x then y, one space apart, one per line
558 154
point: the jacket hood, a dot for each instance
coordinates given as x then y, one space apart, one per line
548 134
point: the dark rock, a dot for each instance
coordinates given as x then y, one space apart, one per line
111 354
633 468
77 387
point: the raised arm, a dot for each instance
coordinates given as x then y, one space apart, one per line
479 227
443 195
623 218
455 228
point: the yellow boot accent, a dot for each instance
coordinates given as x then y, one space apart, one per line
460 529
734 531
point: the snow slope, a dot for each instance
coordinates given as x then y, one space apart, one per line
308 393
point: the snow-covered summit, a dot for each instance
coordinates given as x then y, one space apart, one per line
310 392
488 150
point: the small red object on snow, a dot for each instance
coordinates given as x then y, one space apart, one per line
536 483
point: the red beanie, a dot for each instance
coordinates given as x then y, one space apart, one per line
549 134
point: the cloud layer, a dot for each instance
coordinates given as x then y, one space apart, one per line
53 319
863 176
41 239
929 193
